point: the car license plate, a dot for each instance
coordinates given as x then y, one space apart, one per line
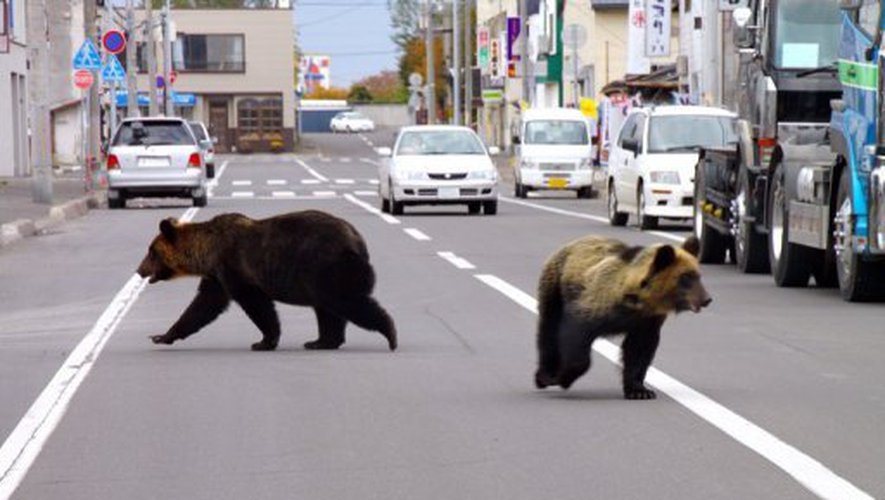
153 162
557 183
449 192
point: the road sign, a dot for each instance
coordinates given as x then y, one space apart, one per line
83 79
482 48
415 80
161 82
114 41
113 71
87 56
173 75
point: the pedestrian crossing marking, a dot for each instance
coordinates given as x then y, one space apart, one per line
276 182
283 194
242 183
242 194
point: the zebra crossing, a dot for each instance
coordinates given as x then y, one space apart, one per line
294 189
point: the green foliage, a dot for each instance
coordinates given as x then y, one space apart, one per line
404 16
359 94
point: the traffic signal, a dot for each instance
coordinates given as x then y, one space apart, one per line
511 69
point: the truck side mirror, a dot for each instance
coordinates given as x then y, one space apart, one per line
744 35
631 145
515 139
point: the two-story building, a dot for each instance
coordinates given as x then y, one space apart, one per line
14 155
235 72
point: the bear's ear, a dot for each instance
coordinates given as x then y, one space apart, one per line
168 229
664 258
692 245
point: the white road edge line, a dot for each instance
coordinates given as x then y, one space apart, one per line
810 473
456 261
417 234
595 218
369 208
311 171
26 441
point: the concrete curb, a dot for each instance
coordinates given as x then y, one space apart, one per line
14 231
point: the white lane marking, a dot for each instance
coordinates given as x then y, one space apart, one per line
325 160
810 473
324 193
279 198
370 161
374 181
595 218
310 181
456 261
243 194
370 143
214 182
27 439
241 183
369 208
276 182
365 193
344 159
417 234
311 171
283 194
344 181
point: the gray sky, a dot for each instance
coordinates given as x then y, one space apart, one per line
354 33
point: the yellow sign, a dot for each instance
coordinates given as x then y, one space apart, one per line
589 108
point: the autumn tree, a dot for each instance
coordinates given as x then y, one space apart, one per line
336 93
384 87
414 60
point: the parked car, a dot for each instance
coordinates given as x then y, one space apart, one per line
438 165
351 121
155 157
553 151
207 145
652 163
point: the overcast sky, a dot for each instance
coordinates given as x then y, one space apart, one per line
354 33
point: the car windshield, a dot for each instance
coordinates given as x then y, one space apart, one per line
689 132
153 133
439 142
198 132
556 132
807 33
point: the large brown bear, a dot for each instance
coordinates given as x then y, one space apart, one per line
307 258
598 287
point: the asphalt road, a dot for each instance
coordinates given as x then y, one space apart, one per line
769 393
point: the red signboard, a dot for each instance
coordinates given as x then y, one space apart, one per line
83 79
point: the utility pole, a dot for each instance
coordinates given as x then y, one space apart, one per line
131 63
167 59
153 108
93 137
430 94
468 64
524 51
456 65
41 149
112 85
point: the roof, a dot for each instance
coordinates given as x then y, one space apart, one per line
552 114
609 4
154 119
434 128
680 109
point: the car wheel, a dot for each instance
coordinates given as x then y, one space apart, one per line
385 205
396 207
119 201
645 221
210 170
585 192
518 190
713 244
490 207
615 218
200 201
473 207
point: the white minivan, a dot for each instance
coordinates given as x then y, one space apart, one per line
553 151
651 165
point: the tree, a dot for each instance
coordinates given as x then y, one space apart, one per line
359 94
404 17
414 60
327 93
385 87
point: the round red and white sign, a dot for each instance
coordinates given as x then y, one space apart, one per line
83 79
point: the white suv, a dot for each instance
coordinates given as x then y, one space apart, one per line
651 165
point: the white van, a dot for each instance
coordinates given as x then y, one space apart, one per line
553 151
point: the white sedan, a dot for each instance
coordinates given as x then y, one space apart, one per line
438 165
351 121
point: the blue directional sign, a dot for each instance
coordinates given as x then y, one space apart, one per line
87 56
113 71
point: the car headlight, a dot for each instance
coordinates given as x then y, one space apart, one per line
664 177
489 175
409 175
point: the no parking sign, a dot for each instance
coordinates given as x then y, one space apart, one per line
114 41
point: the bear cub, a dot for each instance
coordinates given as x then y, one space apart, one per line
599 287
307 258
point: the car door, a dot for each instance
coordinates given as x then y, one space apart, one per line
617 161
631 171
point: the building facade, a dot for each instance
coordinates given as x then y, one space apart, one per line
234 72
14 154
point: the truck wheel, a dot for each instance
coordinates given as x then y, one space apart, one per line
645 221
713 245
859 281
615 218
790 263
750 253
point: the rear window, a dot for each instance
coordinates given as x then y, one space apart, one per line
153 133
569 132
198 132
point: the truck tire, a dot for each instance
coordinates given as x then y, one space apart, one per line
713 244
859 281
615 218
790 263
750 252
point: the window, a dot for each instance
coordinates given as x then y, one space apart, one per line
153 133
439 142
210 53
628 129
260 115
667 134
556 132
807 33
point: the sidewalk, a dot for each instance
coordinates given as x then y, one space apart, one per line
21 216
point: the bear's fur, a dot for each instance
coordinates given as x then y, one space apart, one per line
307 258
598 287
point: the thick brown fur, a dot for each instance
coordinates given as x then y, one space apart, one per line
307 258
598 287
